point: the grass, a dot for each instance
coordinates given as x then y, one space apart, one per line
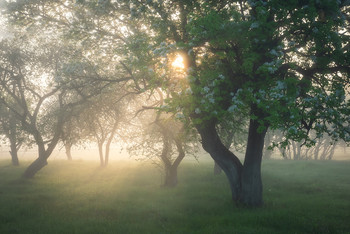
126 197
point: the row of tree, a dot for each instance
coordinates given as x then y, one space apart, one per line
248 66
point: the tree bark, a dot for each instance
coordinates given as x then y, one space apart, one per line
14 145
170 176
251 174
109 141
44 154
228 162
14 157
33 168
245 180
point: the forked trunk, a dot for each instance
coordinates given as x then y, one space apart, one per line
228 162
245 180
44 152
171 169
33 168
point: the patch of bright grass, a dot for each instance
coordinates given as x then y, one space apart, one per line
126 197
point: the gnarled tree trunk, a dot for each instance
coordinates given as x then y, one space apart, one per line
245 180
44 153
33 168
228 162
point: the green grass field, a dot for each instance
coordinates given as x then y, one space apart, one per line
126 197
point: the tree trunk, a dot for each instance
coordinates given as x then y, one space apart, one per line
245 180
44 154
170 176
14 145
317 151
331 153
14 157
109 141
33 168
267 152
171 169
13 152
100 152
251 175
107 148
227 144
228 162
68 148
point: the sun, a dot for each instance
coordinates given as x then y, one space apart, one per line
178 62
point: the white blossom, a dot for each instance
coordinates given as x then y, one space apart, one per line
221 76
232 108
206 89
197 110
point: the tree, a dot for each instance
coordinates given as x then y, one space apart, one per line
41 84
73 132
286 63
323 148
160 137
10 127
100 120
22 96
